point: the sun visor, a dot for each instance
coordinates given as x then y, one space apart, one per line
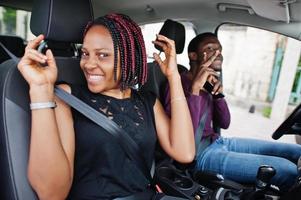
278 10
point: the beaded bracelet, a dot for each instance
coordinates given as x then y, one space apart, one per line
42 105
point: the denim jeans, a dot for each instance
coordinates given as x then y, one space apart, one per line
238 159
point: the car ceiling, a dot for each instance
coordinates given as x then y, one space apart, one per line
206 15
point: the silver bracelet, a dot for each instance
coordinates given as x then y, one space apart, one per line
42 105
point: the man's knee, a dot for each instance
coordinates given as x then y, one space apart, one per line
286 176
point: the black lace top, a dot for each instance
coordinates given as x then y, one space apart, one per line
101 168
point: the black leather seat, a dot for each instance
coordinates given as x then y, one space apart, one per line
50 18
15 45
156 81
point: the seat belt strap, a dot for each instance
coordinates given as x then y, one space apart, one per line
199 144
10 54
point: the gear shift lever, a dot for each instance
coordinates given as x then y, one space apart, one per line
264 175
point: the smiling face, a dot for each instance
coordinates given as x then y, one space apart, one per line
97 60
209 46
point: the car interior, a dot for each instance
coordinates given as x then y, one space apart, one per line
63 32
15 44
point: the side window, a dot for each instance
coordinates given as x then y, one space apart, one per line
149 33
15 22
261 77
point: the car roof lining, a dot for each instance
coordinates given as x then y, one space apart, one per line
145 11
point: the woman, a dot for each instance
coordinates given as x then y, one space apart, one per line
77 157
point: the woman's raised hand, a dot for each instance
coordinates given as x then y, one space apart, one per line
30 65
169 64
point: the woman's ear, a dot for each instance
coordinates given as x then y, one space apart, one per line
192 56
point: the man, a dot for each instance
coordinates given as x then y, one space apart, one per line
237 159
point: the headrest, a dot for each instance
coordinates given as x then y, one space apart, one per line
61 20
63 49
175 31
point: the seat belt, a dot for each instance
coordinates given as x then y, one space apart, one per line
199 144
126 142
10 54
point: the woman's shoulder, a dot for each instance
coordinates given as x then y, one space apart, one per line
76 90
147 96
65 86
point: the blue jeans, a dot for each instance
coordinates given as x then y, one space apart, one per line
238 159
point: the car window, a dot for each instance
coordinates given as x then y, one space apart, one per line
261 77
15 22
149 32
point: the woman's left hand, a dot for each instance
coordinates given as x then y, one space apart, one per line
169 65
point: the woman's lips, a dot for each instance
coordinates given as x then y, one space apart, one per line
94 78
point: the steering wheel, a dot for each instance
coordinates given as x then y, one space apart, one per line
292 125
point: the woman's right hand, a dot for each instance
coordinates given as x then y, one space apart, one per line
30 65
169 65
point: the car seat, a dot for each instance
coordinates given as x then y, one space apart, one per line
49 17
14 44
156 81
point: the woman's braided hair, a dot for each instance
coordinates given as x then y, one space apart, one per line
127 38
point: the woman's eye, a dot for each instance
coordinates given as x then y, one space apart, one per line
84 54
103 55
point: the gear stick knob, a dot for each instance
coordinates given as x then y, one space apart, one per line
264 175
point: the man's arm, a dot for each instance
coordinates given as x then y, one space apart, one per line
221 113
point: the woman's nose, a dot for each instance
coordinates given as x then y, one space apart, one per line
91 63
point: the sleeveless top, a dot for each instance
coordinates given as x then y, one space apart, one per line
101 168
